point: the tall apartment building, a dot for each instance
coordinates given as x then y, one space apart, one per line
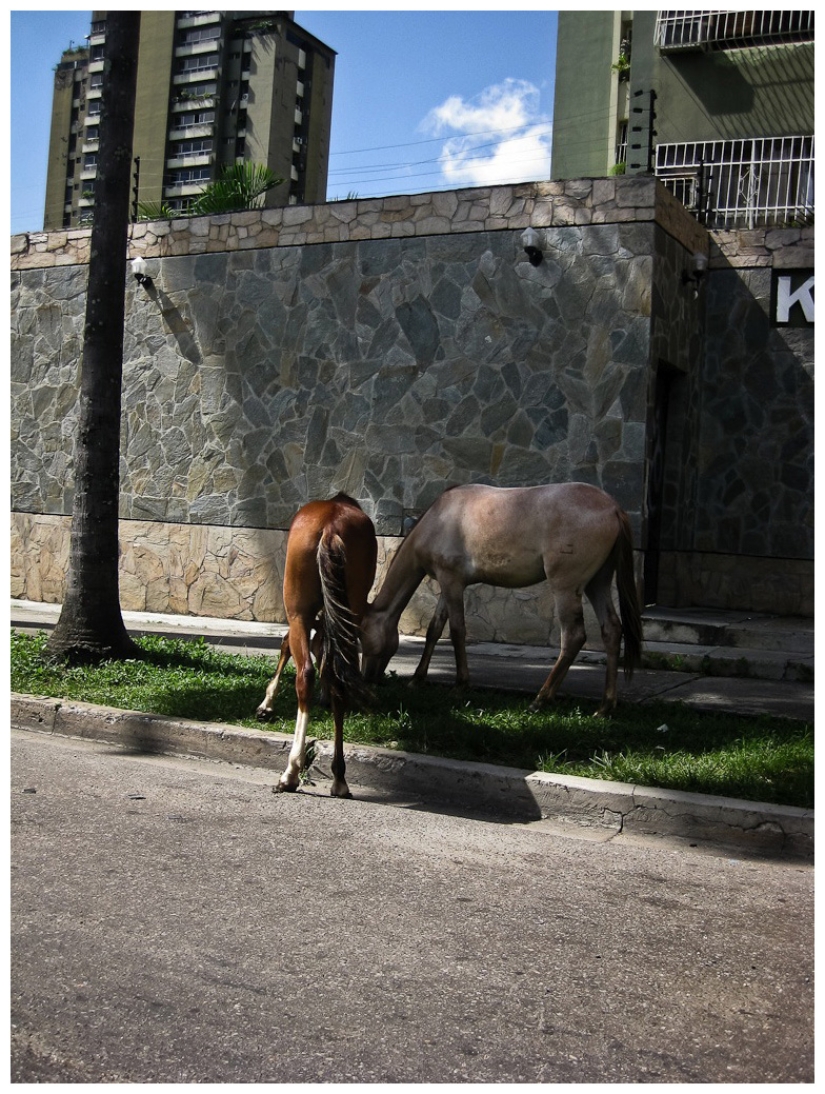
719 104
214 88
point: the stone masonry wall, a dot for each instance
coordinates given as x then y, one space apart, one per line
387 347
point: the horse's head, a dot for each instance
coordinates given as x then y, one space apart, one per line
379 643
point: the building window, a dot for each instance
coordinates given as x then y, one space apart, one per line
201 34
184 150
199 63
743 183
190 176
197 117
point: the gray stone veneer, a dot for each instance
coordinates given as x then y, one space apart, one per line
390 348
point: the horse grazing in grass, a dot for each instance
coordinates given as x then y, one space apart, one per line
331 556
572 535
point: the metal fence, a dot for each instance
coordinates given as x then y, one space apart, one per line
677 30
742 183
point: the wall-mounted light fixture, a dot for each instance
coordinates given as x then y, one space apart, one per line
531 242
141 271
696 269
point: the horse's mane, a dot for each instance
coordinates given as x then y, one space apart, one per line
446 490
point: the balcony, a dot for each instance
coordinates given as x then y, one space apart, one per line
191 159
193 48
186 100
185 189
188 19
189 132
197 75
717 30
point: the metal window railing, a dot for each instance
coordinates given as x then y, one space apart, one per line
676 30
742 183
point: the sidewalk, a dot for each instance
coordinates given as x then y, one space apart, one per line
517 668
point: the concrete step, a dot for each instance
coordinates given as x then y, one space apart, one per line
734 644
706 627
755 664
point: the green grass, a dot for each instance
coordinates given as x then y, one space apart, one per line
666 745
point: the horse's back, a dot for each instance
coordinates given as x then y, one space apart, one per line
517 536
514 510
340 517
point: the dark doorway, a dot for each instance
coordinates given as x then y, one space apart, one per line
666 377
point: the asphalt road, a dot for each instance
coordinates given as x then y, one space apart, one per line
174 921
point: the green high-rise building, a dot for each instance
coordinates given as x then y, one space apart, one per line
719 104
214 88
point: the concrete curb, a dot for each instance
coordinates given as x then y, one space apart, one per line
615 808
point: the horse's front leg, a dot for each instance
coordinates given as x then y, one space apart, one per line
434 631
453 594
266 709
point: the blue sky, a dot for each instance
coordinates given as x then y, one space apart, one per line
424 100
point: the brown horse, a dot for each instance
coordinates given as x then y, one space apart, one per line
331 556
573 535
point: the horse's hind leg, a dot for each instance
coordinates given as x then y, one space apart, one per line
598 593
267 707
339 782
571 619
304 678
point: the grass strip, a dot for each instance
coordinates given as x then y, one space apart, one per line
666 745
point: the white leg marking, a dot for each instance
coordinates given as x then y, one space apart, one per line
292 776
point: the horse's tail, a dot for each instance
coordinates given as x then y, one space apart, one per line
340 667
628 597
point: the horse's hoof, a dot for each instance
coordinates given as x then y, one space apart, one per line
264 715
284 788
340 794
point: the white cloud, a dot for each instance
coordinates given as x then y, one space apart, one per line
502 136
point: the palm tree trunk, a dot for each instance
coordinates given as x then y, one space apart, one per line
90 627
